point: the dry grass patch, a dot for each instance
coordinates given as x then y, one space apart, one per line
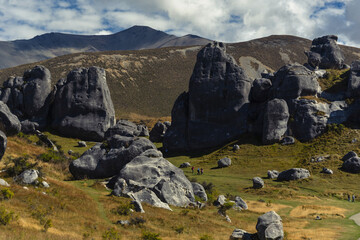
305 211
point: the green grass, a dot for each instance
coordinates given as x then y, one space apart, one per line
335 81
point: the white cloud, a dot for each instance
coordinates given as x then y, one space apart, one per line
225 20
104 32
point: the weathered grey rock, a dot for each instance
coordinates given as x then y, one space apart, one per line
310 119
353 89
269 227
214 111
123 222
236 147
118 141
292 81
120 188
158 175
224 162
276 117
3 144
272 174
45 184
288 140
199 191
43 138
70 152
82 144
123 128
157 132
227 218
82 106
97 162
221 199
143 130
29 176
240 234
4 183
293 174
29 127
239 202
325 53
260 90
258 182
352 165
349 155
185 165
137 205
327 171
9 123
148 196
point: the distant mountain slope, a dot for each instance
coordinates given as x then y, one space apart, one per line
56 44
147 82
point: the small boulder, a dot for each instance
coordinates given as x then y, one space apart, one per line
269 227
327 171
288 140
224 162
158 131
185 165
239 202
238 234
272 174
29 176
123 222
293 174
199 191
82 144
258 182
45 184
349 155
70 152
143 130
352 165
4 183
236 147
221 199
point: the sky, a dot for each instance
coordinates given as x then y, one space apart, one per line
221 20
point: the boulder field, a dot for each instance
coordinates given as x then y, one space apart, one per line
222 102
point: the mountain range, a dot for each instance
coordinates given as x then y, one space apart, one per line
49 45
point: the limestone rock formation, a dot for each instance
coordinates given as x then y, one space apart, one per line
258 182
260 90
293 174
353 89
269 227
158 131
352 165
29 176
9 123
224 162
199 191
325 53
3 144
276 117
82 106
124 128
215 109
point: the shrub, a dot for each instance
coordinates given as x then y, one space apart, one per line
179 229
150 236
48 224
124 209
206 237
137 221
15 166
111 234
225 207
5 216
51 156
7 194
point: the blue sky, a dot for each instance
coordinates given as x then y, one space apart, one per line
223 20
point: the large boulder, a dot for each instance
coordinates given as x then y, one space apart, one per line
292 81
293 174
325 53
349 155
123 128
29 176
224 162
9 123
258 182
352 165
152 173
216 104
269 227
353 89
239 202
99 162
260 90
276 117
82 106
3 144
158 131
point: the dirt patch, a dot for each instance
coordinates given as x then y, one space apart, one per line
305 211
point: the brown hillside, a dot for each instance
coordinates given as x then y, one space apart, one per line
147 82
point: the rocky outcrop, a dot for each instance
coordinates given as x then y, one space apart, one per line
292 81
293 174
101 162
353 89
325 53
260 90
216 104
352 165
29 176
82 106
276 117
9 123
124 128
199 191
269 227
152 173
158 131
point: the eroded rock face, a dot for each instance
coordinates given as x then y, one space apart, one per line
292 81
158 131
269 227
3 144
325 53
83 107
353 89
199 191
260 90
9 123
152 173
29 176
293 174
123 128
99 162
275 121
